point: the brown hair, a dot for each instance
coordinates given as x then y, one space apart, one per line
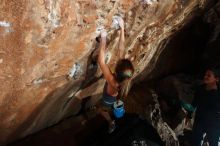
123 70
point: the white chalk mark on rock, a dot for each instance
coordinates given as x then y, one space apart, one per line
148 2
108 57
38 81
5 24
75 71
53 16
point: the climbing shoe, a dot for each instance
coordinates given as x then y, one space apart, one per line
111 127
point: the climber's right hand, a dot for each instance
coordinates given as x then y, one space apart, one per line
103 34
121 22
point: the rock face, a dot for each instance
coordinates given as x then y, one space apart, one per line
44 41
211 52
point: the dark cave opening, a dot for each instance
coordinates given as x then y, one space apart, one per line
185 51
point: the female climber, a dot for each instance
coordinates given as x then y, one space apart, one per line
114 81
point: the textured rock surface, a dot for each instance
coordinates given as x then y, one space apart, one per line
211 54
43 41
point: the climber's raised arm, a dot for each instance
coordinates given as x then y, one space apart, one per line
121 45
101 60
